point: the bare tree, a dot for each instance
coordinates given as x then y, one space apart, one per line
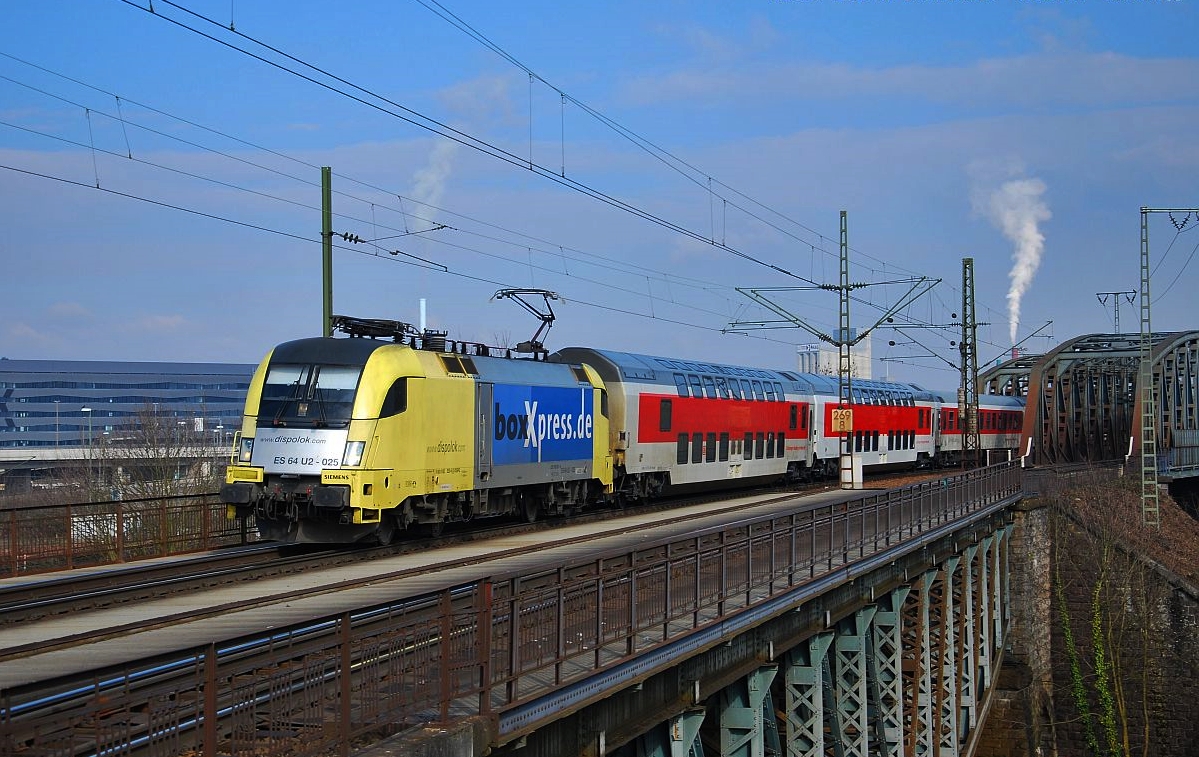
156 456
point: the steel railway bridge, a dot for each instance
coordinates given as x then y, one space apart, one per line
850 623
1084 402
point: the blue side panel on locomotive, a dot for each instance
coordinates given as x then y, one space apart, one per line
534 424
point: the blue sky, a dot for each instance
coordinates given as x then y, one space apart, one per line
993 130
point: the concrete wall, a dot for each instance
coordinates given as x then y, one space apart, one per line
1140 694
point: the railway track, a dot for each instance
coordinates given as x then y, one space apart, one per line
196 578
198 668
43 598
47 597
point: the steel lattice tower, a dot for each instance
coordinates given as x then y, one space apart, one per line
968 391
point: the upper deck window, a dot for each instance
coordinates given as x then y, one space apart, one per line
680 383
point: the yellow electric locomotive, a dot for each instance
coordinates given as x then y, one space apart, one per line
356 438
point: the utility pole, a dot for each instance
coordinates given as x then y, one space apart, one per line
845 365
842 415
1150 510
1102 296
968 389
327 250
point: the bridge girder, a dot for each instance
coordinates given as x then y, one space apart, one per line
1084 402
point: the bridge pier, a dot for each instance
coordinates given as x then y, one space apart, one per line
679 737
804 696
747 724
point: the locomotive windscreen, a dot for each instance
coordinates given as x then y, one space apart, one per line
308 395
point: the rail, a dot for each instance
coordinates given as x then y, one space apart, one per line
488 647
45 538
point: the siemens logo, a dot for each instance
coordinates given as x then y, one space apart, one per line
534 427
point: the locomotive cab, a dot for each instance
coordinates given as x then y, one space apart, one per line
305 433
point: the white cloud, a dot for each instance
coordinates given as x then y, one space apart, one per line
68 311
1054 80
157 323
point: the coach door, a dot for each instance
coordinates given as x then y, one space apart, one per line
484 402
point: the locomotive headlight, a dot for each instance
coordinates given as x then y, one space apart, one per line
353 454
246 450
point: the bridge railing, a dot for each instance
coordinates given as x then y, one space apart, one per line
43 538
489 647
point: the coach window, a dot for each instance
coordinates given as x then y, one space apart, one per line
697 389
722 388
769 391
780 445
857 441
778 391
682 456
890 440
396 400
794 424
664 415
710 388
724 446
697 448
759 395
761 450
749 447
680 383
711 450
734 390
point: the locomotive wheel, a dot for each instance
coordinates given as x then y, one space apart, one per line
431 530
387 530
530 508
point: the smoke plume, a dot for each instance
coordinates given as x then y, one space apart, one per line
1016 208
429 183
